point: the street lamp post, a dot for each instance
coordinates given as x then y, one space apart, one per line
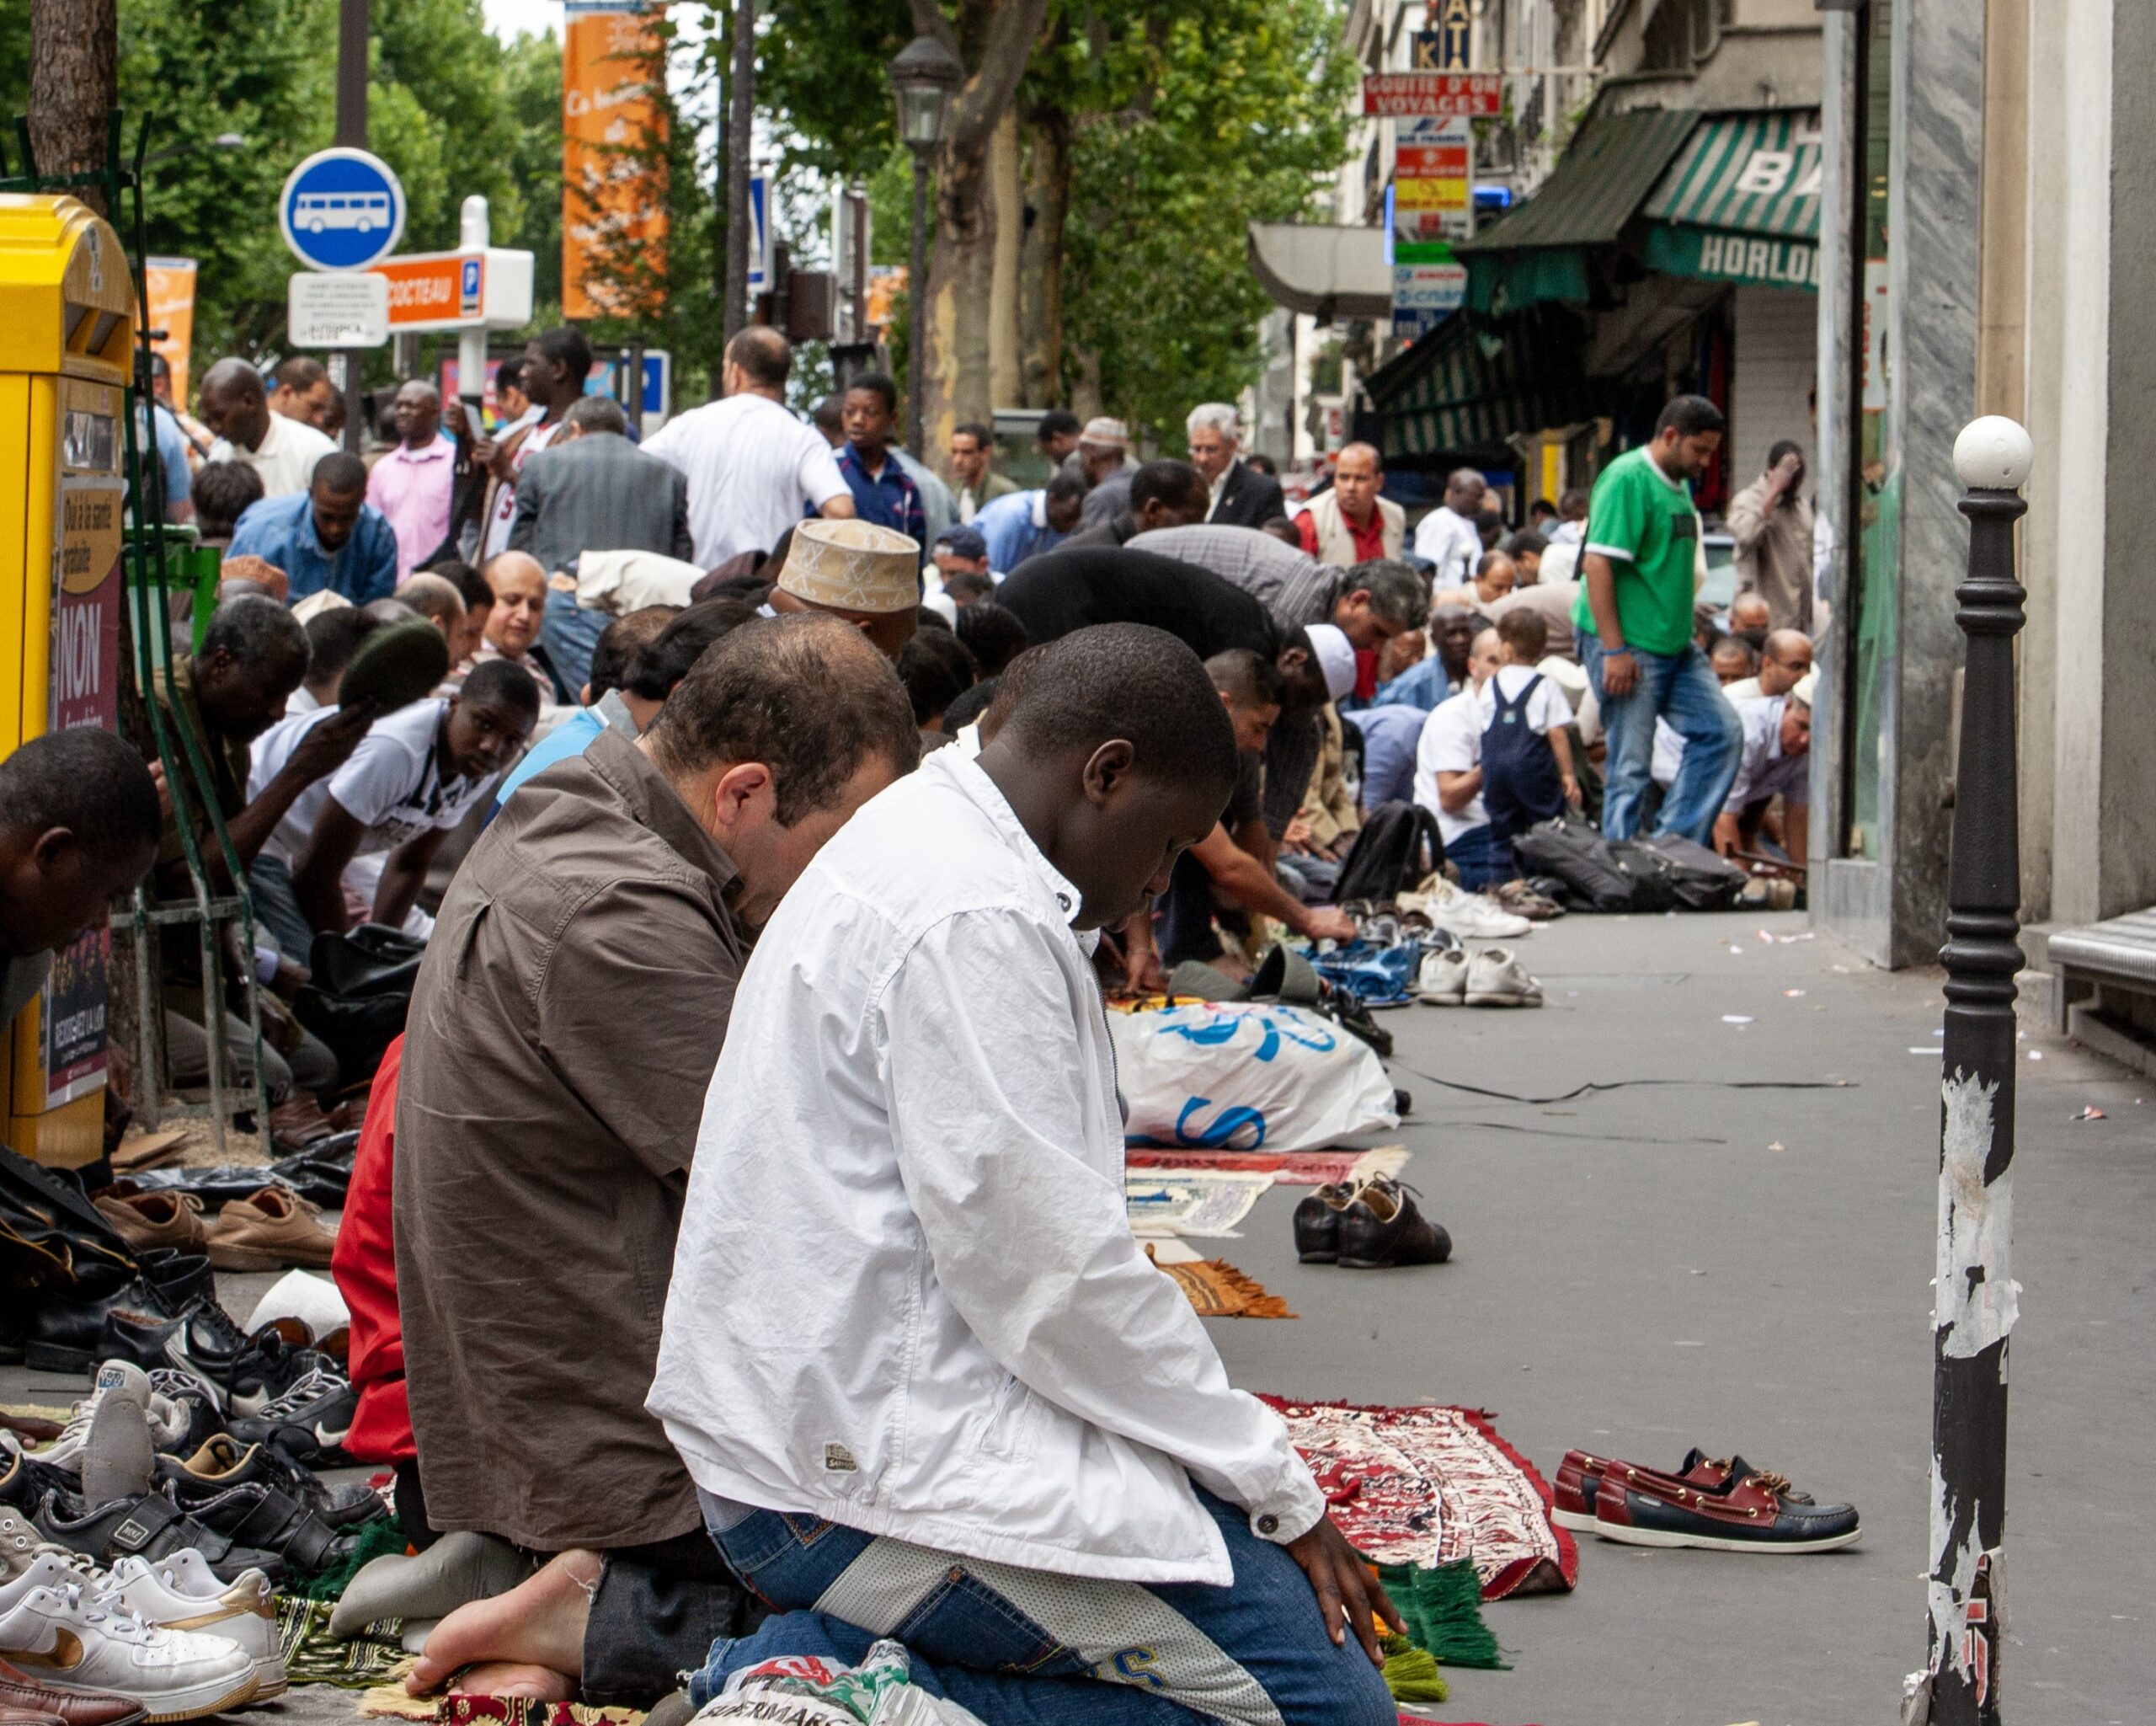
923 77
1974 1296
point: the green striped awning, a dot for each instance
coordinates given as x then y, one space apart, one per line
1754 174
1475 382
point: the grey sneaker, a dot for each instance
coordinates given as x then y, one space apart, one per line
1496 978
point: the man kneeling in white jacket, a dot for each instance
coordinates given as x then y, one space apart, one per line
927 1382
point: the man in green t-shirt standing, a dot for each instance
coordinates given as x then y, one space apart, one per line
1634 617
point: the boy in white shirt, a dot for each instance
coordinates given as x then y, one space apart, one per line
1527 758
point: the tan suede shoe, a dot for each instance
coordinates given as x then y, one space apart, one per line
269 1231
152 1219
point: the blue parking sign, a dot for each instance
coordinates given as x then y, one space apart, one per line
471 284
342 209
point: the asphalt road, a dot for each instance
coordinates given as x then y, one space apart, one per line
1644 1270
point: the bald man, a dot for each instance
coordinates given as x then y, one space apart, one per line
413 484
519 586
1449 536
236 408
1350 524
1784 663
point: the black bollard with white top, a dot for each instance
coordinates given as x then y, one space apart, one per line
1975 1294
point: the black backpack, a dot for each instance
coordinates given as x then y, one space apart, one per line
1398 848
1568 847
1694 878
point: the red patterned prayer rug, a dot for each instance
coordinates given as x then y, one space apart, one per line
1289 1168
1424 1486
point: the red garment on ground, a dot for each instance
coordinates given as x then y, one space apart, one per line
365 1266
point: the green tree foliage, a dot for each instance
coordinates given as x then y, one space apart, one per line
1228 112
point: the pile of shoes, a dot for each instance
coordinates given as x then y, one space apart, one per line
1284 974
156 1463
1723 1505
156 1639
1369 1225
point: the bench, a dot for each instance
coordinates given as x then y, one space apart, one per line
2106 976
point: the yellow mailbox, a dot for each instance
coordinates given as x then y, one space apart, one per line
66 311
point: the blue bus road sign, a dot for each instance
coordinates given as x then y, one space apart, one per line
342 209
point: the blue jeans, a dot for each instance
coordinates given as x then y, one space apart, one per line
568 634
1026 1648
1681 688
1481 861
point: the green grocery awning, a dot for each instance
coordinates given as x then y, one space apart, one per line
1539 253
1475 382
1741 202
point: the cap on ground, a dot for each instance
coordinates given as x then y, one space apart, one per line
1336 658
853 566
962 541
1111 433
1806 687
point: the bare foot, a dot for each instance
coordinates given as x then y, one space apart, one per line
509 1678
537 1624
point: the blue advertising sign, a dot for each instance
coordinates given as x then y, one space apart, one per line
342 209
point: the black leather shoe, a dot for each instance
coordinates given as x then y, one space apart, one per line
1383 1229
1317 1223
67 1322
260 1515
224 1462
181 1280
150 1525
247 1372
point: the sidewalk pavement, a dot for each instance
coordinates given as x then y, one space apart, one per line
1640 1270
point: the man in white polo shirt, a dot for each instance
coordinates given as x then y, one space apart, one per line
1449 775
282 451
754 469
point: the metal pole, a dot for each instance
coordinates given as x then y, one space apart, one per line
740 143
917 306
352 74
632 387
1974 1296
350 363
474 233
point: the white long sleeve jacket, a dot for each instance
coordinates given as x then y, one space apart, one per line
906 1297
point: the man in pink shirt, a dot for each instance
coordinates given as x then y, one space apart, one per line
412 484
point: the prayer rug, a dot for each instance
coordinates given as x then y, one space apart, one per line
313 1656
1202 1202
1425 1486
393 1701
1289 1168
1219 1290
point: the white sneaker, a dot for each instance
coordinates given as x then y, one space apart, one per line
1443 980
124 1381
1496 978
174 1595
61 1638
1469 916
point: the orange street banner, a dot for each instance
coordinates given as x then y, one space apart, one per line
171 285
613 192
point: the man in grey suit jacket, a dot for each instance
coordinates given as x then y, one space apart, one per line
593 490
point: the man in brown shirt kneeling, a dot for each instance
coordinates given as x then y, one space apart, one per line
562 1037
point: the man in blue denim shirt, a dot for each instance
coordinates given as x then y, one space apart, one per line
328 536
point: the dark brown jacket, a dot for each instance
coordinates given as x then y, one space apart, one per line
562 1037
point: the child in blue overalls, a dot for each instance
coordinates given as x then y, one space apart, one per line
1527 758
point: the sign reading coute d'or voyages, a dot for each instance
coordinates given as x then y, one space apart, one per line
1475 94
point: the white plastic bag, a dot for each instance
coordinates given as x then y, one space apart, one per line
1236 1075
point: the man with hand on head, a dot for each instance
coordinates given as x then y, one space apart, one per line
546 1109
979 1372
1449 536
410 781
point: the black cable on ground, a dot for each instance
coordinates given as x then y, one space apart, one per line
1623 1084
